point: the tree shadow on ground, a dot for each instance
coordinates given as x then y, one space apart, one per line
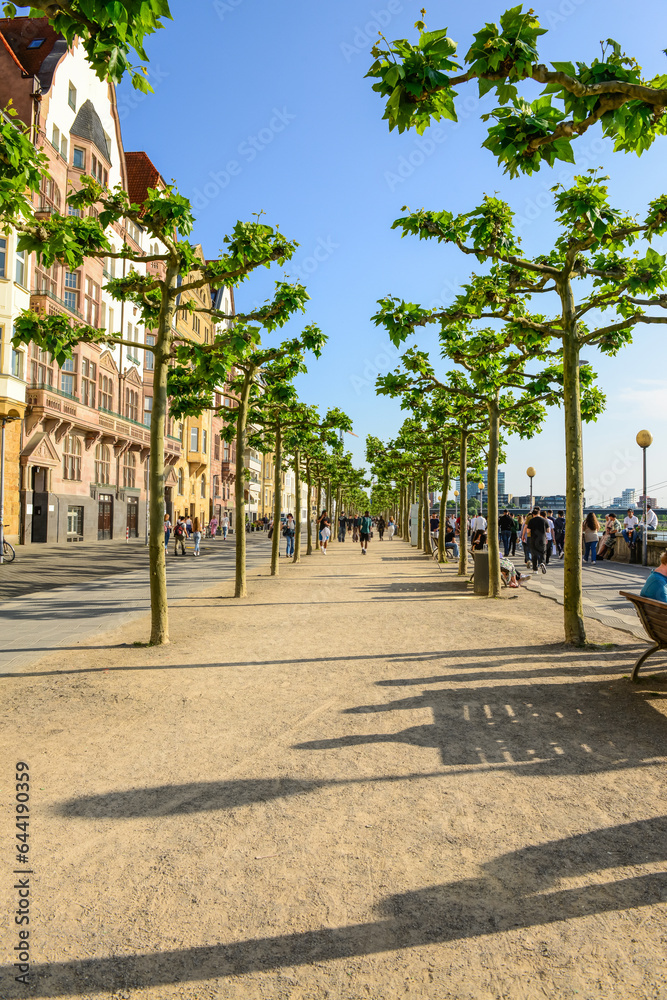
547 729
521 889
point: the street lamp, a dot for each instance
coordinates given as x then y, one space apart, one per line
530 472
645 440
456 503
481 498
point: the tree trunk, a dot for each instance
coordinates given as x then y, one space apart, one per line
573 614
297 513
309 519
156 547
442 556
420 514
338 510
275 538
427 518
328 505
463 505
240 589
492 495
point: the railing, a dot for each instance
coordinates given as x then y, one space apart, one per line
51 388
60 302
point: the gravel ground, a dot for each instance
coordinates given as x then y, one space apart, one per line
360 781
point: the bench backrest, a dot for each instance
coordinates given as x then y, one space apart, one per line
653 615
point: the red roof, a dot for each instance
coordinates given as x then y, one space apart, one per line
17 34
142 174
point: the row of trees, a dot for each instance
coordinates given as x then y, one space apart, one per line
509 357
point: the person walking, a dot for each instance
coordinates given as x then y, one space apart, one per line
180 533
514 534
365 532
196 534
213 526
342 527
188 525
356 528
289 532
381 526
324 525
559 526
225 527
551 535
525 540
506 523
391 528
167 531
590 529
537 532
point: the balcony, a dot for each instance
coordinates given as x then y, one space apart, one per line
44 301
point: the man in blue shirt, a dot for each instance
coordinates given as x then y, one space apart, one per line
656 585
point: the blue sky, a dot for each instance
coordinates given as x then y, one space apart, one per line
262 105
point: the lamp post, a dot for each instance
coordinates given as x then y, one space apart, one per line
645 440
481 498
456 503
530 472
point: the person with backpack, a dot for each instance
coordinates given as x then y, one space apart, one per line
289 532
366 527
381 526
559 525
342 527
180 533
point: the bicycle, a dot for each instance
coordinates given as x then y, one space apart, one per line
8 553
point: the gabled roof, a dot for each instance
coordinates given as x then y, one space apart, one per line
17 34
142 174
88 125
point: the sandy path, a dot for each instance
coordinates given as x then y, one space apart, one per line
361 781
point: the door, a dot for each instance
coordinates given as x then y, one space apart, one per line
40 517
169 503
133 518
105 518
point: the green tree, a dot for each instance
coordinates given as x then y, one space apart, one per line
420 83
255 369
109 30
594 248
166 216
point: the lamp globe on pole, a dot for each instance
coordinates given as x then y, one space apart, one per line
481 497
456 503
645 440
530 472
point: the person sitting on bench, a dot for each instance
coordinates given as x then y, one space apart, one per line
655 587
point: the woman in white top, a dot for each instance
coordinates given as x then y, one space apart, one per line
391 528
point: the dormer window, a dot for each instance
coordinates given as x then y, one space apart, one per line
79 158
36 43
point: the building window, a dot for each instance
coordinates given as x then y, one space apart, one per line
55 140
72 458
78 158
102 464
19 272
194 439
88 379
203 486
3 258
148 410
216 447
99 172
149 357
41 366
92 314
76 212
181 479
71 96
17 363
74 524
129 470
132 404
67 378
225 451
63 148
216 486
106 394
204 441
71 293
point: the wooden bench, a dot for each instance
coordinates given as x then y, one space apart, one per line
653 615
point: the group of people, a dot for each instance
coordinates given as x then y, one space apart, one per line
360 526
187 528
